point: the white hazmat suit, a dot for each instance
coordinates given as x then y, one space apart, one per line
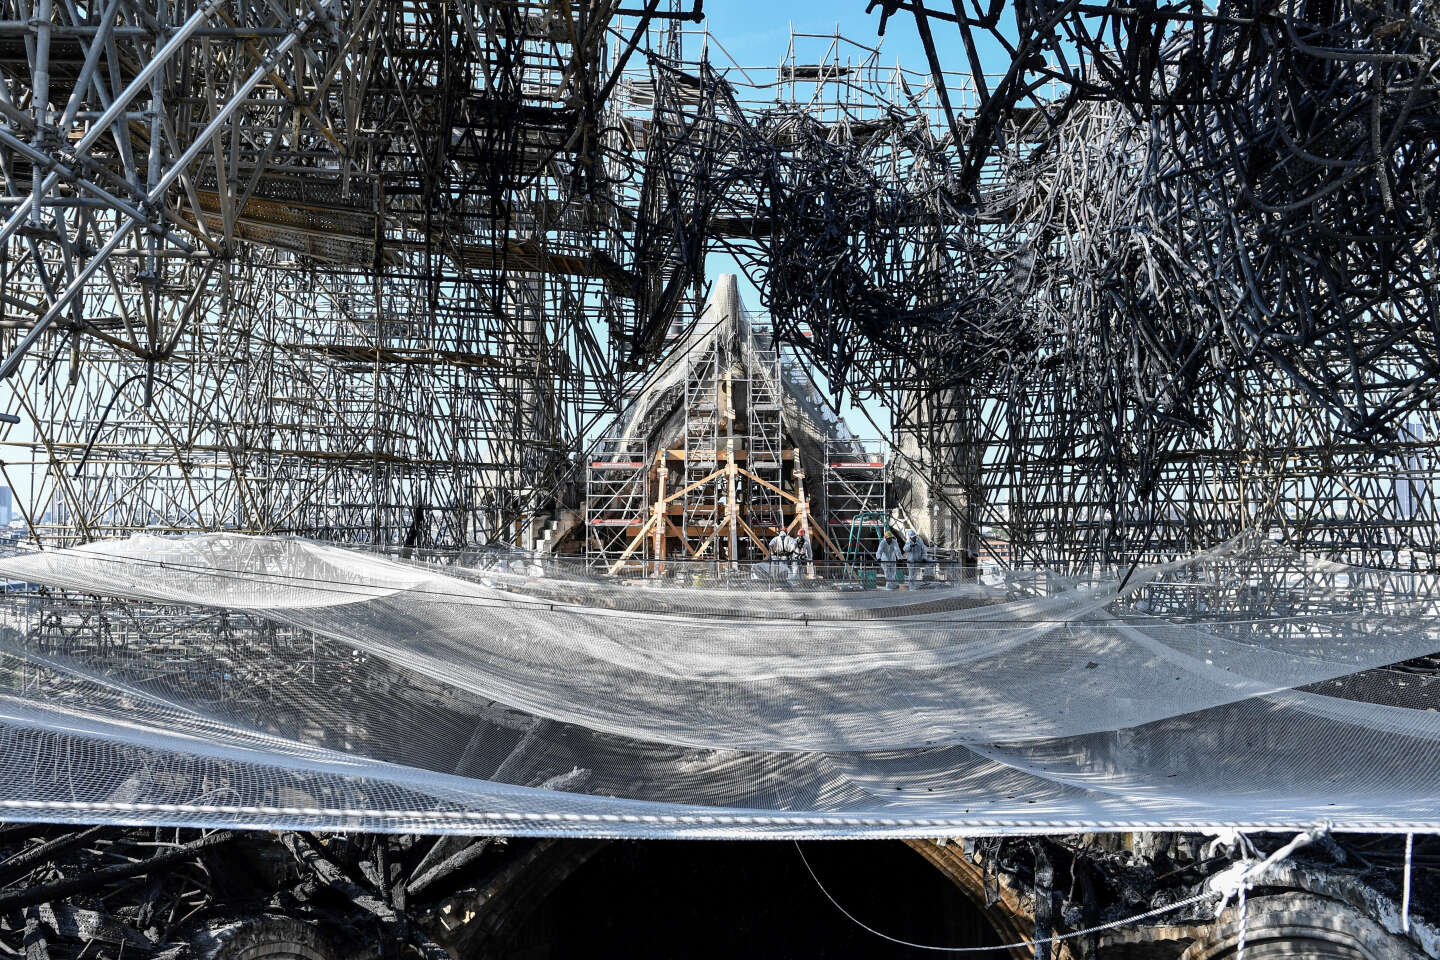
916 556
889 555
786 549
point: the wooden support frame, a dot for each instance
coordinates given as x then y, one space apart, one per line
660 527
661 522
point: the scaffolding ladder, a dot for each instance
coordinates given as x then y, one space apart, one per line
856 507
703 509
617 504
765 445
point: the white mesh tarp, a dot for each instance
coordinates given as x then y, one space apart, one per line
278 682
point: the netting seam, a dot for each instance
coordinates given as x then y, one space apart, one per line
697 819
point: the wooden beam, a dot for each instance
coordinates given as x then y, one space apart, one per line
766 483
712 539
732 511
802 517
765 550
802 507
828 542
675 509
659 519
683 536
639 539
698 483
732 514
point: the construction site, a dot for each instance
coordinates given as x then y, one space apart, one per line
516 478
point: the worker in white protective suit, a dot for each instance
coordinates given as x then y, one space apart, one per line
889 556
786 550
807 550
916 556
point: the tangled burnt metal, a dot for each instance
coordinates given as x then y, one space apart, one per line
382 271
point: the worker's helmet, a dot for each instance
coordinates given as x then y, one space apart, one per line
890 534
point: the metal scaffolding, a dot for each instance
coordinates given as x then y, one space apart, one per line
708 430
857 507
765 447
391 308
617 506
383 272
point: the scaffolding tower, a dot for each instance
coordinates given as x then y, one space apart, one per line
617 505
707 419
856 499
765 444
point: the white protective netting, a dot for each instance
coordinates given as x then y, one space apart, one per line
272 682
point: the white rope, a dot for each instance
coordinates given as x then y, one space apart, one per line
1244 925
1405 894
1019 945
1236 880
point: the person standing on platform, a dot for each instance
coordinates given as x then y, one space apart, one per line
916 556
785 549
889 556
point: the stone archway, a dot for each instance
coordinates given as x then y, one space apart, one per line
1293 925
1010 914
266 938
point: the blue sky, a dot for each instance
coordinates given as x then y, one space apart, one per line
757 31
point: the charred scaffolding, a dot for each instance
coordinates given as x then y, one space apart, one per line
294 269
383 272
